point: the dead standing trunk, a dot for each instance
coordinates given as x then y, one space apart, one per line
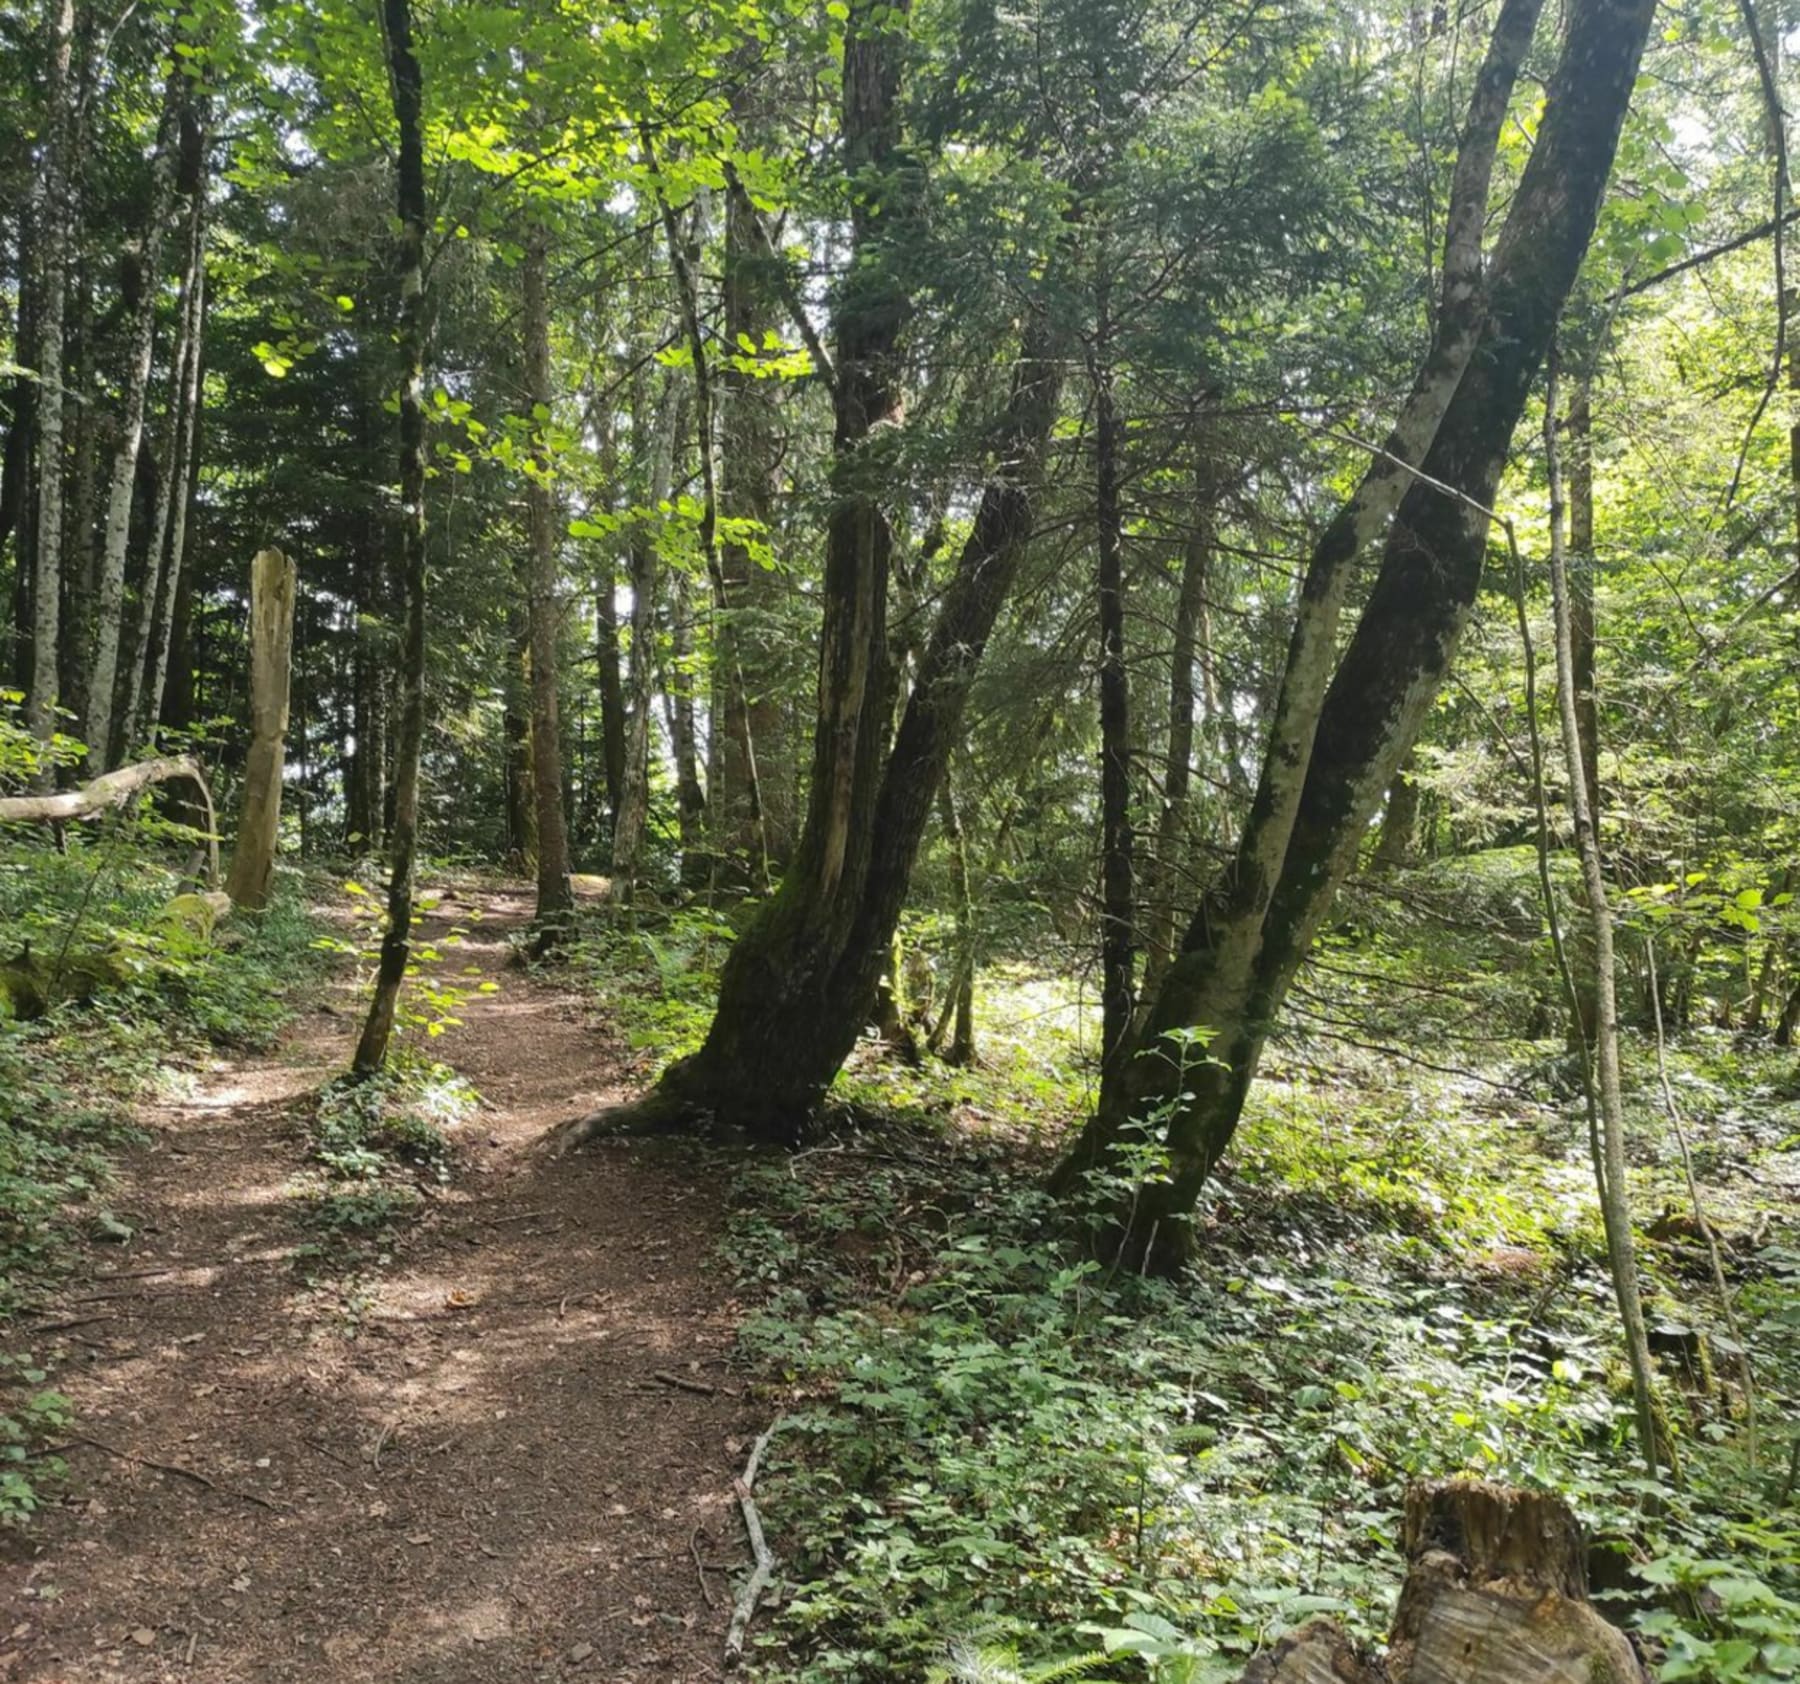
272 588
1342 728
407 87
555 894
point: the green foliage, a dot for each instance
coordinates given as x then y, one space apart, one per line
376 1143
30 1417
172 987
1002 1447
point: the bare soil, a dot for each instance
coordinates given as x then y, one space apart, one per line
457 1467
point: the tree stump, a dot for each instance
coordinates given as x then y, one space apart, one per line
272 589
1495 1593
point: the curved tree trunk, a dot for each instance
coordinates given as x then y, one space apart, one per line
1343 726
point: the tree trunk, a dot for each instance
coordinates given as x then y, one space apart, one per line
407 87
50 210
183 475
102 718
611 683
634 801
801 982
555 895
1190 643
171 478
1398 828
959 999
684 738
1495 1593
1118 910
515 731
1609 1169
272 588
1342 726
731 729
753 817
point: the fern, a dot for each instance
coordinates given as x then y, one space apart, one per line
971 1663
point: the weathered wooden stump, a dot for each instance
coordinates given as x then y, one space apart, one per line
1495 1593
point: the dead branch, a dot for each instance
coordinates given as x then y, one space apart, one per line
114 789
753 1587
178 1470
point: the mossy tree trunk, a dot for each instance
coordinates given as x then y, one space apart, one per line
1343 724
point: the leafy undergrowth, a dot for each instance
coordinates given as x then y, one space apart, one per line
375 1144
174 987
998 1449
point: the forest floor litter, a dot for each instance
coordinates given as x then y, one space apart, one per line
508 1452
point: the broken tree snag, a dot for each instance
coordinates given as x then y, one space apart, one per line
1496 1593
1315 1653
114 789
272 588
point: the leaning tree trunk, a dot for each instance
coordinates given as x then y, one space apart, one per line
109 614
49 220
272 588
1342 727
407 86
555 895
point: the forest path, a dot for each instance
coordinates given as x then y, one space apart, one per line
453 1470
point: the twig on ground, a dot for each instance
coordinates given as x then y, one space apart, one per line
177 1469
700 1568
753 1587
702 1387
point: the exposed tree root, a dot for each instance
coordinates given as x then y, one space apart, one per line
655 1113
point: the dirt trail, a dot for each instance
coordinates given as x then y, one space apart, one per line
464 1472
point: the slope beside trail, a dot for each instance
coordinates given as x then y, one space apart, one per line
457 1469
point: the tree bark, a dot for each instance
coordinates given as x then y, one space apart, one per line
555 894
172 478
407 87
272 590
49 212
1395 847
1615 1195
102 716
1118 908
753 816
634 802
1342 726
801 982
1190 644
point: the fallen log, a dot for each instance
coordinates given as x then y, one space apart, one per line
114 789
1495 1593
